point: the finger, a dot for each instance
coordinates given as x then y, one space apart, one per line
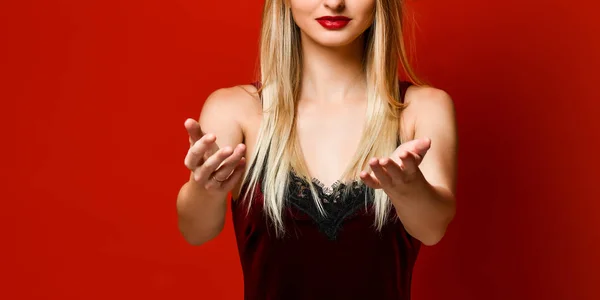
200 150
235 176
370 180
194 130
202 174
409 162
394 170
418 146
230 163
417 158
422 145
380 173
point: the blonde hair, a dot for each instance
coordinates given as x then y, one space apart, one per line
277 149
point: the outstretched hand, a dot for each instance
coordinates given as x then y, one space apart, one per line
394 174
216 170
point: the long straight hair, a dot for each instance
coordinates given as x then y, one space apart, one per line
277 148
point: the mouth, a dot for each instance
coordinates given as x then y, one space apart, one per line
333 22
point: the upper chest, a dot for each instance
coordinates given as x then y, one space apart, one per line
324 125
330 121
320 123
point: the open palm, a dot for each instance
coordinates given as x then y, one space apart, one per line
401 168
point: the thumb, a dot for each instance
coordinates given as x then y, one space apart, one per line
417 146
422 145
194 130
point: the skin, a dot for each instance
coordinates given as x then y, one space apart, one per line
419 177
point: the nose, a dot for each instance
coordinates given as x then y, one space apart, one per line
335 5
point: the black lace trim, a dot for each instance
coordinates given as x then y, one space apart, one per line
340 201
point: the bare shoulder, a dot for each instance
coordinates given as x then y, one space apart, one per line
426 103
233 101
426 98
227 113
425 106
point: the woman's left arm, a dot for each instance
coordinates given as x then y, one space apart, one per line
420 176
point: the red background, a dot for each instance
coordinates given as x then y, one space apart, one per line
95 93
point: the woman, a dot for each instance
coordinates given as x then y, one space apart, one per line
329 106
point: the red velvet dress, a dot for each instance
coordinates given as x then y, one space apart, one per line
339 256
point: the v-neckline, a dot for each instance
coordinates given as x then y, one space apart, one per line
327 189
340 180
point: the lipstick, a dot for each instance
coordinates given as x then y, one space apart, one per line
333 22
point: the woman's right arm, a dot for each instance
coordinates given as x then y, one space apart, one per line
216 161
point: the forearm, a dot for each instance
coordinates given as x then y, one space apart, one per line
200 216
425 211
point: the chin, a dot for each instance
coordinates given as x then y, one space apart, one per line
334 39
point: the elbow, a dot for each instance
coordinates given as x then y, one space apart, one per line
196 241
193 239
196 228
437 233
197 234
434 238
199 238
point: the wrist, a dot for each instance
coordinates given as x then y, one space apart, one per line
197 190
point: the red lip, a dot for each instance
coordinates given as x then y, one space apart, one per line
333 22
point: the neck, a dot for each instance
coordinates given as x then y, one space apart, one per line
332 74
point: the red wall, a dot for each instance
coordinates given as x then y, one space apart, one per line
94 96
